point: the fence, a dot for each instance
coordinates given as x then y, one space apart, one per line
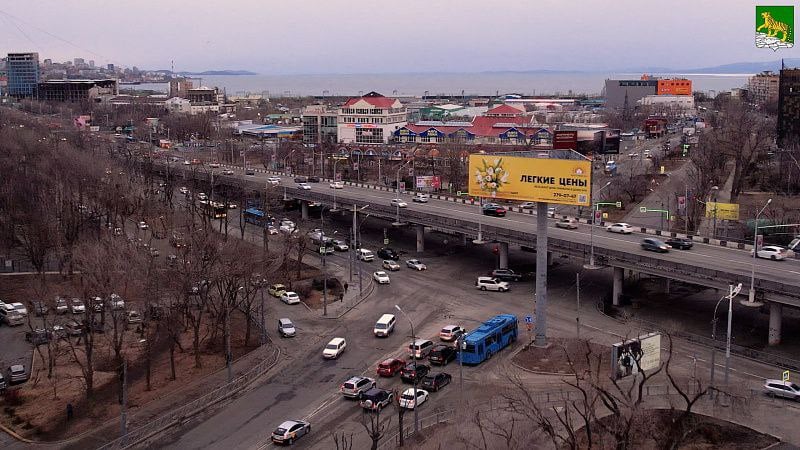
21 265
186 411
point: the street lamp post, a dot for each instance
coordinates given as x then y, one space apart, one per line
715 189
324 252
397 191
335 161
591 264
732 292
414 356
751 296
355 238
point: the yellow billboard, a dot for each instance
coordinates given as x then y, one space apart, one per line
722 211
563 181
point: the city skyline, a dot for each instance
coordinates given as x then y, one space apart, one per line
415 37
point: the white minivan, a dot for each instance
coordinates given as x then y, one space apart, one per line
385 325
365 255
420 348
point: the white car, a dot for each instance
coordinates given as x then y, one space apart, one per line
183 190
20 308
288 229
492 284
290 298
76 306
227 172
202 196
416 264
334 348
381 277
273 181
398 203
408 401
337 185
186 162
569 224
633 155
419 197
232 206
304 186
214 165
622 228
772 252
142 225
388 264
528 205
115 302
290 431
272 230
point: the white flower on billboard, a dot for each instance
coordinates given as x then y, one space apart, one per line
492 177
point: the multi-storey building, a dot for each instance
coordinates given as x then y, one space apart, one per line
77 90
23 74
371 119
789 107
675 86
762 88
319 124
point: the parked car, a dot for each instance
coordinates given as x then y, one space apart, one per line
388 264
399 203
451 333
420 197
420 348
622 228
115 302
436 381
376 399
251 172
680 243
289 431
227 172
336 185
143 225
20 309
183 190
390 367
61 305
40 308
567 224
340 245
772 252
17 374
274 181
76 306
304 186
355 387
202 196
334 348
38 336
654 245
276 290
416 264
442 354
74 328
412 398
381 277
134 317
779 388
506 275
290 298
286 328
58 331
388 253
409 373
493 209
491 284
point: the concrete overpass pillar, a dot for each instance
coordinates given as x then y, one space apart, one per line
304 209
549 259
667 283
619 274
503 246
420 238
775 318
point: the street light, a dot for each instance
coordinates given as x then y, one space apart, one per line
591 264
751 297
732 292
414 356
355 240
335 161
715 190
397 190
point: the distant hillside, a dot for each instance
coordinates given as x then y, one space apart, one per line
739 67
208 72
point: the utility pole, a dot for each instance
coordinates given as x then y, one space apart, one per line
124 411
578 305
228 356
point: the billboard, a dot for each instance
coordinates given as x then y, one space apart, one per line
562 181
610 142
428 182
635 355
565 139
723 211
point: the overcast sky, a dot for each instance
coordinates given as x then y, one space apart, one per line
340 36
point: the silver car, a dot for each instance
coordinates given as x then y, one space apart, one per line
778 388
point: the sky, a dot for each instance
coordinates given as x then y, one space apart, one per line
339 36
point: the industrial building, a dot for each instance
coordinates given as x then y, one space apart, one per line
620 94
789 107
23 74
77 90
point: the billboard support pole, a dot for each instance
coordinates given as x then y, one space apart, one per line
540 297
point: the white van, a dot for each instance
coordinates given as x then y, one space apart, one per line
365 255
385 325
420 348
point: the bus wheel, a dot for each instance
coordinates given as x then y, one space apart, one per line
488 355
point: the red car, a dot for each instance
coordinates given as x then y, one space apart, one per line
390 367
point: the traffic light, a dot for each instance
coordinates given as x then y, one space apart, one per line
685 149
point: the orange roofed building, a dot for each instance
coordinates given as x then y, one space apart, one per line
675 86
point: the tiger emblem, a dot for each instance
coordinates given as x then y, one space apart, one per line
774 27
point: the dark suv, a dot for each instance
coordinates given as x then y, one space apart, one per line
388 253
313 179
493 209
436 381
442 354
409 375
376 399
506 275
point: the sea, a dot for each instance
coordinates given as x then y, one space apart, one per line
451 84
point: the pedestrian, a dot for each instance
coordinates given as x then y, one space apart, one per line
70 412
345 287
341 296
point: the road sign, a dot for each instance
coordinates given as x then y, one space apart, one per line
528 319
386 242
605 215
663 170
759 241
785 376
642 209
681 202
619 204
402 186
598 214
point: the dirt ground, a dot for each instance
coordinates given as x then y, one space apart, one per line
557 357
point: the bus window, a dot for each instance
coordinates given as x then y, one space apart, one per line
470 348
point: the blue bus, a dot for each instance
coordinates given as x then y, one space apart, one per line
491 337
256 217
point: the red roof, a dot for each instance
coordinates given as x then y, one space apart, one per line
504 109
378 102
481 126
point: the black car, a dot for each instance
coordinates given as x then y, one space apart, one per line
38 336
506 275
442 354
493 209
388 253
436 381
655 245
376 399
301 179
313 179
409 375
680 243
40 308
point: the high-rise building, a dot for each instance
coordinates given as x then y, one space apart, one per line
23 74
110 67
762 88
179 87
319 124
789 107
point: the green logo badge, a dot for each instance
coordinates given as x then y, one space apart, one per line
774 27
